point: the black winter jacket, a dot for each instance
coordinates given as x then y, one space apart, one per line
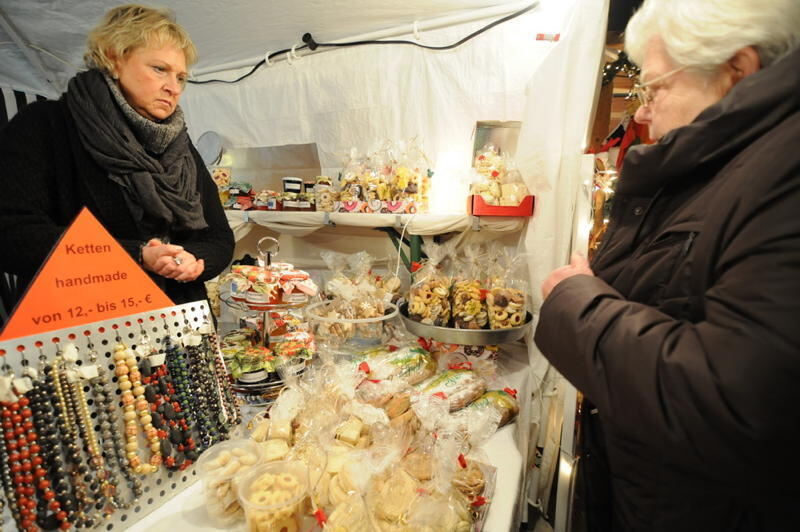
46 177
688 339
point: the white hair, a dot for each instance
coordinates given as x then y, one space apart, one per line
703 34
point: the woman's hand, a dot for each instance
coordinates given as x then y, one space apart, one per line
171 261
578 265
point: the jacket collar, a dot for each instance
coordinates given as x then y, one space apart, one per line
754 106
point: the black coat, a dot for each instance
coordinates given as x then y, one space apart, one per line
46 177
688 339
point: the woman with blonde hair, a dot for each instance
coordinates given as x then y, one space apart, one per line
116 143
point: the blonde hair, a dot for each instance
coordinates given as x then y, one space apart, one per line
703 34
131 26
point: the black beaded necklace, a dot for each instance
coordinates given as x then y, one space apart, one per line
196 414
203 388
49 440
168 414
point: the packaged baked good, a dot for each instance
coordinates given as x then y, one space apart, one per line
392 495
325 194
458 387
220 466
275 496
411 363
351 185
512 188
438 512
429 297
468 296
350 515
508 288
503 401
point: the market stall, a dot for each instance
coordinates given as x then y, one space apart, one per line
539 67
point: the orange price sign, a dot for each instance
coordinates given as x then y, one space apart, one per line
87 277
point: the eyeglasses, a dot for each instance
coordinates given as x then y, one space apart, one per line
642 90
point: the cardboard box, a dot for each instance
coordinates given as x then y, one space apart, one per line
477 207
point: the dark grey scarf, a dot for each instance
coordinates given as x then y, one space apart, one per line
151 161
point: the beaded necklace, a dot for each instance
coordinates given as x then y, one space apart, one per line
135 405
232 414
113 444
179 370
12 494
168 414
79 472
202 387
60 498
103 485
25 463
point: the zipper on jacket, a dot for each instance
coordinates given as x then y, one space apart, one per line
688 244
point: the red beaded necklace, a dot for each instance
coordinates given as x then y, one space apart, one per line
25 464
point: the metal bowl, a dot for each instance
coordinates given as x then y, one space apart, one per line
449 335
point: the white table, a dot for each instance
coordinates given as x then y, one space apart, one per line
506 450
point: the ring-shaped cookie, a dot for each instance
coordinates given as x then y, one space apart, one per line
286 481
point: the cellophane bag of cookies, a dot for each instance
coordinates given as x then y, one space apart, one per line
512 188
351 186
490 168
369 299
508 288
429 297
468 295
337 280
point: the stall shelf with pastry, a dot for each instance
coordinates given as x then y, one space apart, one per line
305 223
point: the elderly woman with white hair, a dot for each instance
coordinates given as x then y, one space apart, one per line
683 331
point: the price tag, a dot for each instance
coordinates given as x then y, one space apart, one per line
70 353
88 277
144 350
192 339
157 359
88 372
6 390
23 385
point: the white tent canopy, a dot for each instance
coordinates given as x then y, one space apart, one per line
54 32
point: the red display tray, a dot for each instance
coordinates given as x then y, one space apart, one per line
477 207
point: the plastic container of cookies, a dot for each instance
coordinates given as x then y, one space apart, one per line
220 467
275 496
348 335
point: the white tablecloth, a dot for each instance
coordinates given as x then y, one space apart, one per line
506 450
302 223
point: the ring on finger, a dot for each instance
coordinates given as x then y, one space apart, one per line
177 260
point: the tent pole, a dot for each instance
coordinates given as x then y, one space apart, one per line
408 29
22 44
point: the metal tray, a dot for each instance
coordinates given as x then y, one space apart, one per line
449 335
